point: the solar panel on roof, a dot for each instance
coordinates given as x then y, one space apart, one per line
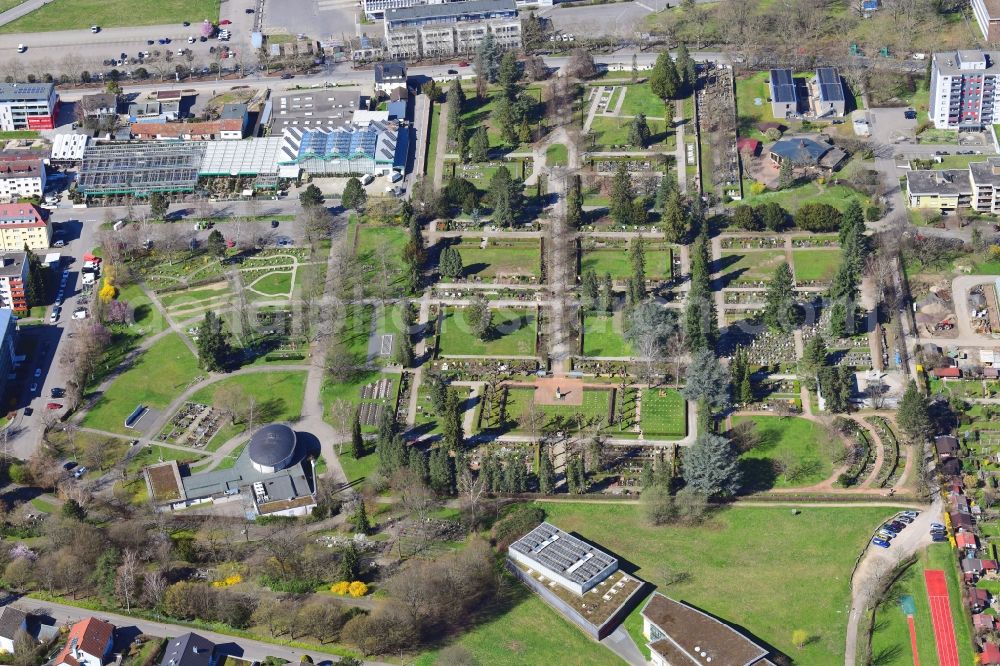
782 86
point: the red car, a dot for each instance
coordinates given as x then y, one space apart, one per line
225 22
230 243
53 405
463 64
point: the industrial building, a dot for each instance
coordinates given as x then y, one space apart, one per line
272 476
140 168
22 175
378 149
963 90
13 280
28 106
22 226
315 108
452 28
784 97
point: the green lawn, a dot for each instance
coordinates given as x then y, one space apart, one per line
614 131
514 333
891 640
639 98
356 330
44 505
81 14
279 397
815 265
380 254
749 89
426 421
432 142
664 414
603 335
18 134
751 265
500 259
358 469
148 319
616 261
273 284
765 570
794 444
187 298
528 634
792 198
557 155
595 408
161 372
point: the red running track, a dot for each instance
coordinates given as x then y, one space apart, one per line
913 640
944 627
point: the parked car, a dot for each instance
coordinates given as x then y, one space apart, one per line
149 42
21 48
33 388
899 527
287 76
80 472
225 22
453 71
463 64
937 526
53 405
38 373
95 29
910 114
881 543
57 392
68 465
274 224
886 534
186 23
891 528
249 10
905 519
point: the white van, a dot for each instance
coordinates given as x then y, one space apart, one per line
119 225
367 179
21 48
395 177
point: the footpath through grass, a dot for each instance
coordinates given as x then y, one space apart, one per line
766 570
158 376
891 639
81 14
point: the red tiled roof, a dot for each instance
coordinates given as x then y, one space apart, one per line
983 621
92 636
966 540
990 654
21 215
747 144
946 372
174 130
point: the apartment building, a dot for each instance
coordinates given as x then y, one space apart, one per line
948 190
987 13
22 226
22 174
963 91
28 106
450 29
13 281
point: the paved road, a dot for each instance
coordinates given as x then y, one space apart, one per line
17 11
251 649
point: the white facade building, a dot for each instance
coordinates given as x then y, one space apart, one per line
963 91
21 176
28 106
451 29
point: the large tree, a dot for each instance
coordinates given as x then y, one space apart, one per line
651 327
311 196
354 196
479 145
158 206
707 380
574 202
782 313
213 343
663 80
687 71
622 197
480 317
638 133
505 196
508 74
913 415
675 218
488 58
711 466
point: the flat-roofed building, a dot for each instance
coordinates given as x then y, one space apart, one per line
784 98
944 190
28 106
450 28
561 557
987 13
681 635
13 281
963 89
22 226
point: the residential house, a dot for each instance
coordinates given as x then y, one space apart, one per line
963 90
973 569
8 338
952 372
23 226
389 76
966 540
984 622
826 94
960 520
238 112
22 175
682 635
990 656
979 599
189 649
12 620
943 190
784 97
951 467
88 644
946 445
804 151
99 105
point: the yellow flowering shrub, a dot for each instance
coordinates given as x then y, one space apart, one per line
340 588
228 581
357 589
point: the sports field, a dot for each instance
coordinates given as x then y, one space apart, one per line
663 414
81 14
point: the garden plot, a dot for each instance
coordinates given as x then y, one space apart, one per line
749 268
501 261
364 388
663 414
193 425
